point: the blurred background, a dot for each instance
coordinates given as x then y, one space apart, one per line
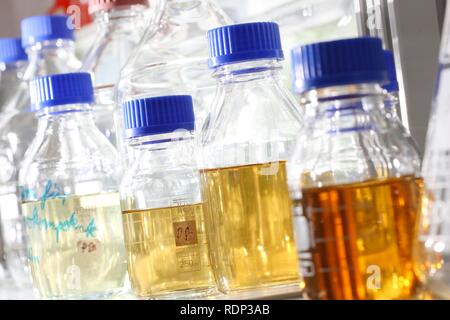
411 28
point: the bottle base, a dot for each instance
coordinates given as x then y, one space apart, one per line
180 294
287 290
104 295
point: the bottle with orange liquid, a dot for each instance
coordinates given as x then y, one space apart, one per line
354 212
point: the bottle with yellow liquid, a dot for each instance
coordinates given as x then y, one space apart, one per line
161 201
70 195
246 141
354 208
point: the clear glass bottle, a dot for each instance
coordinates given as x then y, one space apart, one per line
49 43
120 26
161 201
70 199
172 56
433 242
350 208
13 61
246 141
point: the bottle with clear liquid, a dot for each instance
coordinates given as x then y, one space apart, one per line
70 200
246 141
120 26
49 44
433 243
161 201
353 212
172 56
13 61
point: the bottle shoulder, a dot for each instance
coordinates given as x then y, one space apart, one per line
75 153
252 111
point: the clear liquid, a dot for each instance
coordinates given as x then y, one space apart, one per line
249 225
362 238
75 245
168 251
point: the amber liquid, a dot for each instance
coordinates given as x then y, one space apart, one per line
249 224
363 234
168 252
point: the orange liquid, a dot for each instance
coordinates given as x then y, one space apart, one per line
362 238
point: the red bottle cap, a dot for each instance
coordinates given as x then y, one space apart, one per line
97 5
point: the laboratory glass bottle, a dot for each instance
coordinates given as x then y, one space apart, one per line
69 192
246 141
49 44
161 201
172 56
13 61
120 26
351 209
432 251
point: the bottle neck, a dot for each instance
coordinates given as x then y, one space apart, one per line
51 57
161 141
248 71
357 91
172 150
346 109
121 18
11 75
50 47
64 113
16 67
172 19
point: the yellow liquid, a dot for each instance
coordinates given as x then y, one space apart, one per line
249 224
75 245
168 251
363 235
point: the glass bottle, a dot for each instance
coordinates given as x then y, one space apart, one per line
49 44
246 141
70 200
433 241
172 56
13 61
349 205
120 26
161 201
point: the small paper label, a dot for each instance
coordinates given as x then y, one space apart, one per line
185 233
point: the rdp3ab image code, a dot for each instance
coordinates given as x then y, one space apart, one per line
227 309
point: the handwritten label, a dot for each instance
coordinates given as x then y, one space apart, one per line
66 225
185 233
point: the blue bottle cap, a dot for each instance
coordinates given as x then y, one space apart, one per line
61 89
11 50
336 63
158 115
243 42
392 84
41 28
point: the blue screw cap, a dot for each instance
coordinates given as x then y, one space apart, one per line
244 42
40 28
11 50
158 115
340 62
392 85
61 89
